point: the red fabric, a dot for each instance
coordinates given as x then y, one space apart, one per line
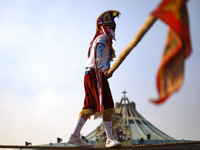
99 76
102 30
178 47
91 93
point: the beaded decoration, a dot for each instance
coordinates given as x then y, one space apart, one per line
107 19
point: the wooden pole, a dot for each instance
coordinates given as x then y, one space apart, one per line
145 27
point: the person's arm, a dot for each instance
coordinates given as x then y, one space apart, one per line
100 60
99 57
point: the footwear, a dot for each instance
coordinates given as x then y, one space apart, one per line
77 141
112 143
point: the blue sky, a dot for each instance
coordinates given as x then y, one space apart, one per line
43 50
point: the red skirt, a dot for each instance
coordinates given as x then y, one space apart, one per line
91 101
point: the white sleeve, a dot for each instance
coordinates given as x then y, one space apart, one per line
100 57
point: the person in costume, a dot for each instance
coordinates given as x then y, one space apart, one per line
98 98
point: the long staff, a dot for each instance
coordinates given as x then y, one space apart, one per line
145 27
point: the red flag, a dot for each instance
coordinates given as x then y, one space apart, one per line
177 49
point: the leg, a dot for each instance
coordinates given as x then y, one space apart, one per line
107 117
75 137
107 120
89 101
110 142
84 116
81 121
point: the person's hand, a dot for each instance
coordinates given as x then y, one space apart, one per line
106 74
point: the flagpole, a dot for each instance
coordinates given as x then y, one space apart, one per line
145 27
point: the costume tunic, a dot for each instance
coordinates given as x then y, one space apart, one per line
102 54
98 98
